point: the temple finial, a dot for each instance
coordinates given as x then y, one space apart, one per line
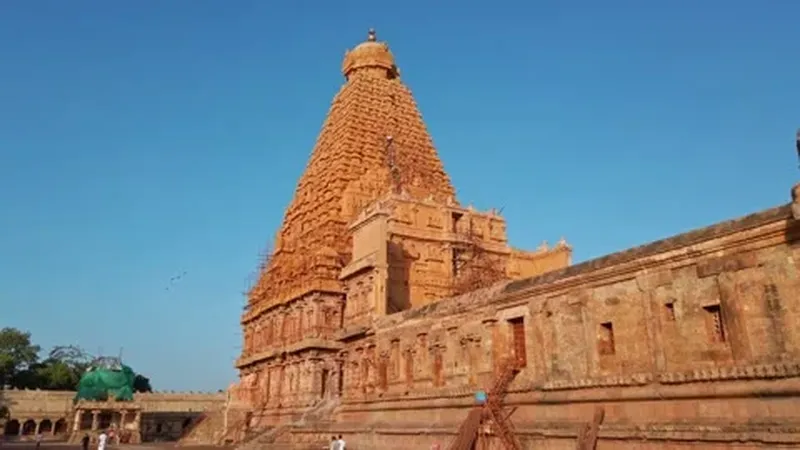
797 144
371 36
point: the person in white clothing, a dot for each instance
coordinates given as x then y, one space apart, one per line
341 443
101 441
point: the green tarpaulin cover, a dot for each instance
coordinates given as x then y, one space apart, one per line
106 378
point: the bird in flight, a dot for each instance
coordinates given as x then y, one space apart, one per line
175 279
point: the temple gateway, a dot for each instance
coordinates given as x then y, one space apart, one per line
392 314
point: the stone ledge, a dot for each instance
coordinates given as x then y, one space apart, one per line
769 433
672 243
305 344
733 373
755 372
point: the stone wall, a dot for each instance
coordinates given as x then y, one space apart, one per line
686 340
165 414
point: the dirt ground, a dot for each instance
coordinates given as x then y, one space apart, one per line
65 446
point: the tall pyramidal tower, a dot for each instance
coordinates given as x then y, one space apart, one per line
374 228
373 141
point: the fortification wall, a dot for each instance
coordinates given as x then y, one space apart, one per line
164 402
38 403
684 341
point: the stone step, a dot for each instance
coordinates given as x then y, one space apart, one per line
289 446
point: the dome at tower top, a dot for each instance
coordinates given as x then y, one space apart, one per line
370 56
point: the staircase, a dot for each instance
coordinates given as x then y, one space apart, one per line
203 430
268 437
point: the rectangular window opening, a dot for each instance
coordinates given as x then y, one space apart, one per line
605 340
714 323
669 311
518 340
456 218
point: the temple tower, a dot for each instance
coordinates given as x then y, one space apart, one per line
374 228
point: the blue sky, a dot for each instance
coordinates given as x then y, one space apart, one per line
139 140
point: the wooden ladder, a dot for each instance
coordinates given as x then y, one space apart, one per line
492 410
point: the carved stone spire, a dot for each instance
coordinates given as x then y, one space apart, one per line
373 140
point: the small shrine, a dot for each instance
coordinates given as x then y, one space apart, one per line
104 402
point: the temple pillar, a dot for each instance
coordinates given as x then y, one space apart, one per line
95 419
316 387
347 374
136 435
301 320
370 362
318 317
293 323
271 383
494 344
453 353
123 415
38 427
422 364
336 375
280 326
281 388
76 425
309 383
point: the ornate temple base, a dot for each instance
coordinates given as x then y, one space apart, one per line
120 420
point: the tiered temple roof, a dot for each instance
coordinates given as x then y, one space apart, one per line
373 140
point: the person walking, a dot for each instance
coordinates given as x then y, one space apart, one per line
341 443
101 440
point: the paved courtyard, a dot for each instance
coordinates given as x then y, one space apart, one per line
65 446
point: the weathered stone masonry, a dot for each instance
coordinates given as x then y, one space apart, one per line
685 341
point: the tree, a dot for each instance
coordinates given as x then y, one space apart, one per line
3 407
62 369
73 356
56 375
17 353
141 384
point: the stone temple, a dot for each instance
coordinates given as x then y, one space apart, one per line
374 229
387 305
393 315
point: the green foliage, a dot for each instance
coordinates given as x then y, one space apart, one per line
3 407
57 375
62 369
17 353
141 384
